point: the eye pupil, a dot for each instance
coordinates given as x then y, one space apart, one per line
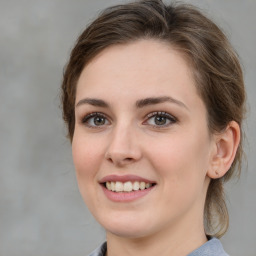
99 120
160 120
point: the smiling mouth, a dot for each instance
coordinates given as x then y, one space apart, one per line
128 186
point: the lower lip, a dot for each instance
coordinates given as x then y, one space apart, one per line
126 196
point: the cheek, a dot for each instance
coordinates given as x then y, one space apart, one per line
182 165
87 158
182 160
85 153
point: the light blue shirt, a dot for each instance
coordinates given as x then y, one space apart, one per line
213 247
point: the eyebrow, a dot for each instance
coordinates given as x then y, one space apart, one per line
139 103
156 100
93 102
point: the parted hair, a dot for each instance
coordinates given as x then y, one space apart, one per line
214 64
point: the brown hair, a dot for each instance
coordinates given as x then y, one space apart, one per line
214 63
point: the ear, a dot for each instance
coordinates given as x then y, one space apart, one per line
224 150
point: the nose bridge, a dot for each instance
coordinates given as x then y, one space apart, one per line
123 146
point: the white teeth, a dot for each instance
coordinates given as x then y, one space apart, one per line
113 186
142 185
108 185
136 185
127 186
119 186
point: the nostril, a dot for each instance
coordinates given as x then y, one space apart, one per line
110 159
121 161
121 158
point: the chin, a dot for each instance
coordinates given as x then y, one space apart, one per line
128 232
127 226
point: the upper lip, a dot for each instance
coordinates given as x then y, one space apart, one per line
124 178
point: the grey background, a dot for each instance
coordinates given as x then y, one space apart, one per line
41 211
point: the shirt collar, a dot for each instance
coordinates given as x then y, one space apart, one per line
213 247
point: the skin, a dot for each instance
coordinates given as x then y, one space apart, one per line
180 156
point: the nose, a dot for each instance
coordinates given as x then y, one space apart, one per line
123 148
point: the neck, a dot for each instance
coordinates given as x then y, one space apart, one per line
174 241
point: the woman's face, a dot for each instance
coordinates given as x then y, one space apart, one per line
141 145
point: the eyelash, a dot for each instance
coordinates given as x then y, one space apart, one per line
91 116
161 114
168 117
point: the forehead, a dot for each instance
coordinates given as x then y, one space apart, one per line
142 67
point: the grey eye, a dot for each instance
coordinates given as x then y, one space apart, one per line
99 120
95 120
160 119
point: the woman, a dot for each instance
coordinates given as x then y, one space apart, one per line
153 98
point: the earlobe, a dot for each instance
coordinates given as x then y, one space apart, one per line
226 144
